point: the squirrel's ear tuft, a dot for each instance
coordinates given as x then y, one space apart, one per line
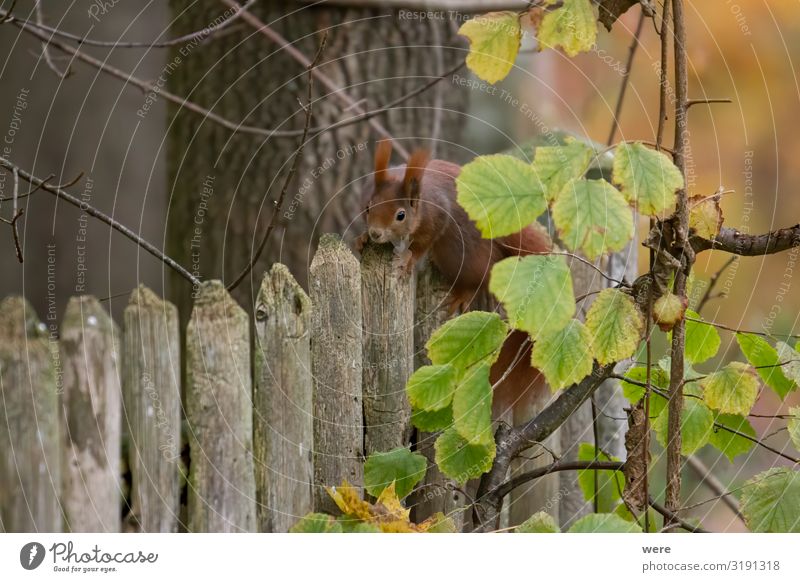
414 171
382 156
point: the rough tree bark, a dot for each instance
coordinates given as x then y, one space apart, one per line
227 183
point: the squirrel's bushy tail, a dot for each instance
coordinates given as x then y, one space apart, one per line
521 386
532 240
518 385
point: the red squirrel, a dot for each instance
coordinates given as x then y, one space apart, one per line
414 208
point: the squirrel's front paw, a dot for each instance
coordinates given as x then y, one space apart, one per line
360 241
403 262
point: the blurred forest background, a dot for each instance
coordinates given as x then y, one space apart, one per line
743 50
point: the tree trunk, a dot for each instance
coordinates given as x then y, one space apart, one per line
222 186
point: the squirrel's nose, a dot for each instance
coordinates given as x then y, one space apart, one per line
375 234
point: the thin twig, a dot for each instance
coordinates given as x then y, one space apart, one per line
337 91
691 102
713 281
626 77
710 480
292 169
91 211
83 40
45 50
672 519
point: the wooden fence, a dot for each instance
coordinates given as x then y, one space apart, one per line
269 420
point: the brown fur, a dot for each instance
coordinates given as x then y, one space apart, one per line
435 225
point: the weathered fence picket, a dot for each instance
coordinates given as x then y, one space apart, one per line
90 419
267 431
437 494
336 365
282 402
30 451
151 384
219 413
388 307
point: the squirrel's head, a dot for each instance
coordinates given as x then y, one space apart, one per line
392 208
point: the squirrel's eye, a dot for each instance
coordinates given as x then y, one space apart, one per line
401 214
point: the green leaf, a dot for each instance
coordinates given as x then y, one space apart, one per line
732 389
494 40
472 406
604 523
790 362
468 339
441 524
501 194
460 460
633 392
432 421
702 340
765 359
732 445
564 357
571 27
610 484
431 387
648 178
399 466
697 425
540 522
793 426
317 523
658 379
536 292
593 217
770 501
653 519
350 525
557 166
615 324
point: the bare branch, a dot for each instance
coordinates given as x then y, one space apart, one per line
512 440
672 519
692 102
712 282
337 91
91 211
45 50
710 480
292 170
6 16
626 77
750 245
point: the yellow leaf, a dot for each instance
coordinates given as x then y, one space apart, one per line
705 216
668 310
572 27
494 43
349 501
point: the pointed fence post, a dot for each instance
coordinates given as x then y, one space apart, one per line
30 452
151 386
219 412
283 413
336 364
91 410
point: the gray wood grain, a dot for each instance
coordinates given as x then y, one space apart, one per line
388 306
437 493
219 412
283 414
91 407
151 383
30 461
336 363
